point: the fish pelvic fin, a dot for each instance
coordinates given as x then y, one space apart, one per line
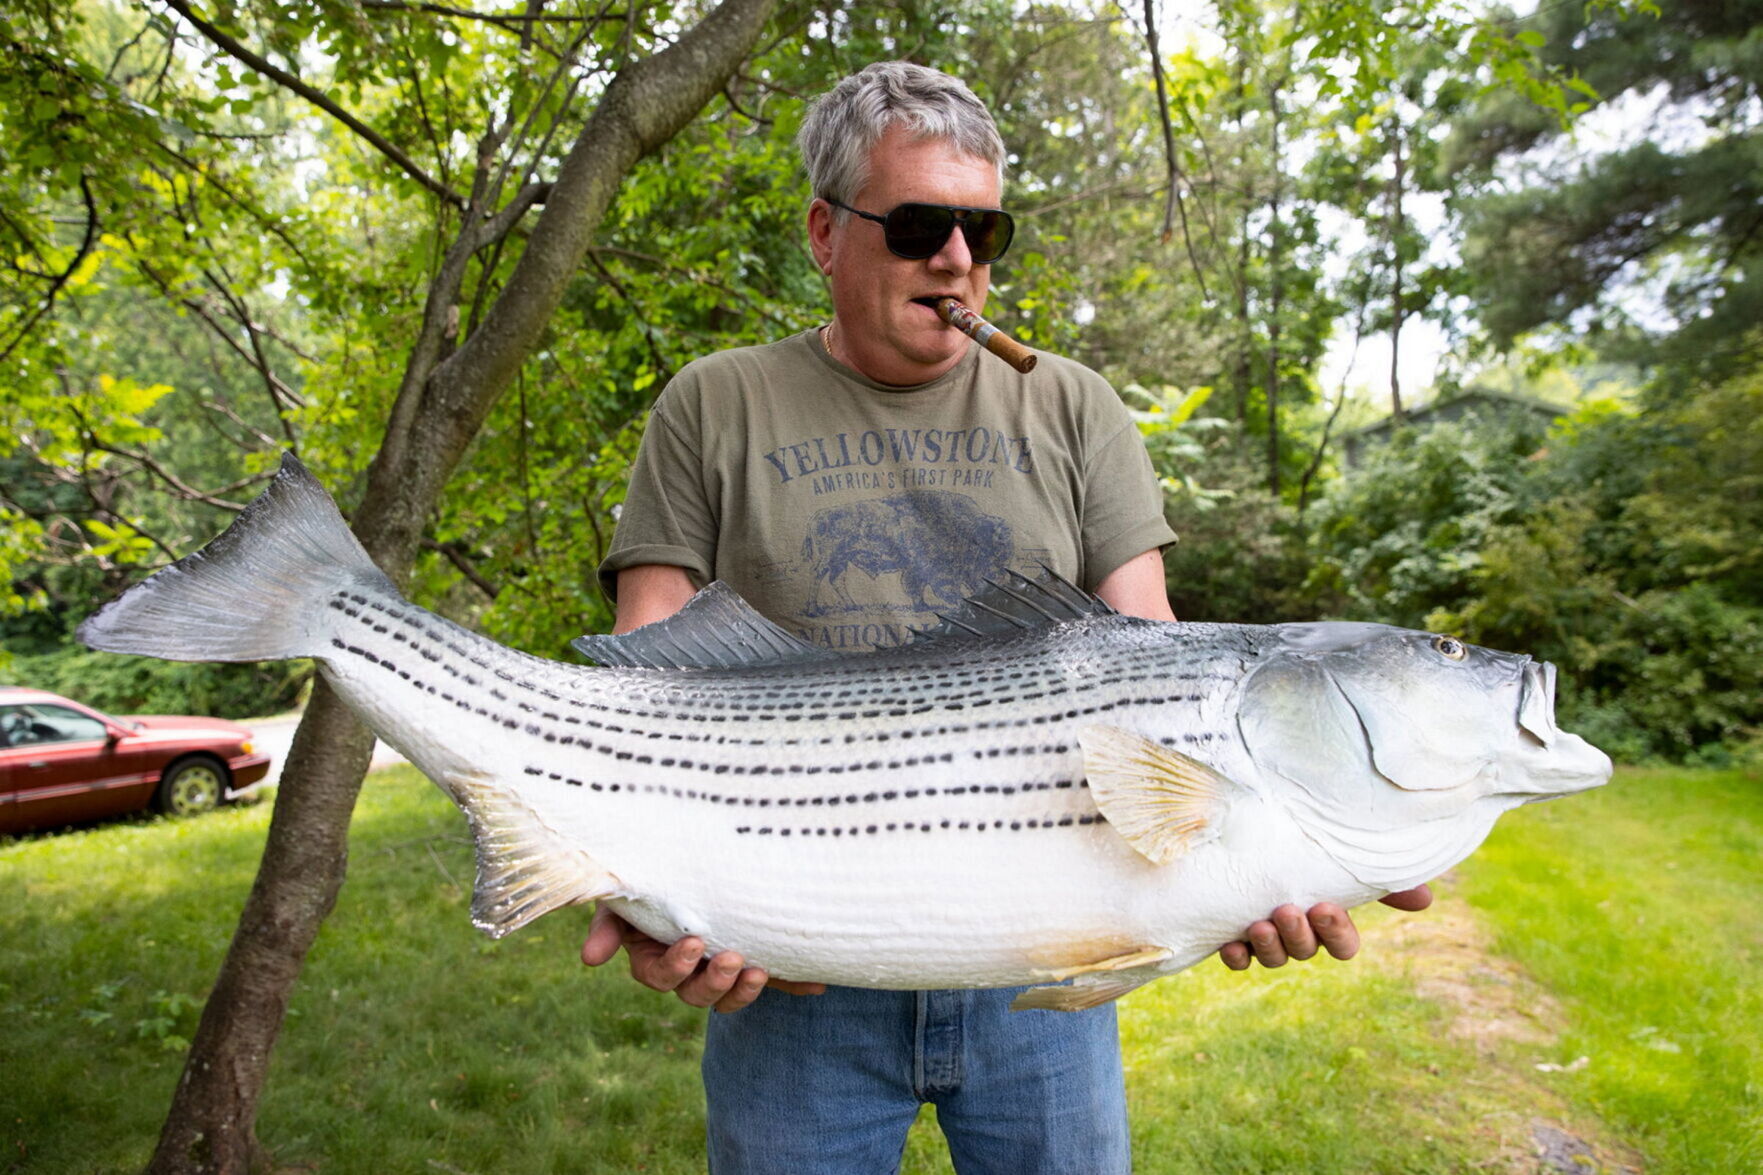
1148 957
1163 802
1086 991
249 594
524 868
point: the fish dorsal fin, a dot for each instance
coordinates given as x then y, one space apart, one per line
1163 802
1015 605
524 868
715 630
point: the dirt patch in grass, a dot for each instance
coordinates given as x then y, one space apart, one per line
1490 999
1510 1021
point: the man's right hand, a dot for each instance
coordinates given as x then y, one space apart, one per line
723 982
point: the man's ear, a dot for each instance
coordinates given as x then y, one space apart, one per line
820 233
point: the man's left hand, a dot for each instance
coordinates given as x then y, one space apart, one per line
1291 933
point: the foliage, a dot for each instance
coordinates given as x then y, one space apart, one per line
1635 565
1624 547
1400 537
1240 555
145 685
417 1043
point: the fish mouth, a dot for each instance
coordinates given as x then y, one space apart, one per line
1536 702
1563 763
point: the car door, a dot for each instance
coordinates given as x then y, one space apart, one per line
63 766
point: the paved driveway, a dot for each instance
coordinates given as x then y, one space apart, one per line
274 736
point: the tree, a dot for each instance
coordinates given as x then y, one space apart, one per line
498 274
1669 219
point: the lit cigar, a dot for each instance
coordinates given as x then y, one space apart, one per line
985 334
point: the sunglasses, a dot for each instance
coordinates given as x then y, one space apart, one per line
917 231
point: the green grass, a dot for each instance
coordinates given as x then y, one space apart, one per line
1638 906
1615 926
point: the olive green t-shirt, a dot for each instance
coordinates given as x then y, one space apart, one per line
851 512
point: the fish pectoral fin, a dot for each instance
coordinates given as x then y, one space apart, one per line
524 868
1086 991
1163 802
1148 957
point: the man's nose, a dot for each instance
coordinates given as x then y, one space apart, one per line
954 257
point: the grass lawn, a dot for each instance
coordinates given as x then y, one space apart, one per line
1618 927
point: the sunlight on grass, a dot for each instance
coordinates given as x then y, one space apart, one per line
413 1040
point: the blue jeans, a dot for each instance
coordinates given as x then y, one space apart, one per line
804 1085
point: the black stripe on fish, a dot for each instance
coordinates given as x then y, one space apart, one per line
1016 825
852 799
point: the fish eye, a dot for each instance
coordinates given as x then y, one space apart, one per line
1450 646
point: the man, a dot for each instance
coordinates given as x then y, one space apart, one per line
850 482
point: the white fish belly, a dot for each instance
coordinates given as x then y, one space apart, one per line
954 908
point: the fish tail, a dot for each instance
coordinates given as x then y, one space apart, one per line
249 594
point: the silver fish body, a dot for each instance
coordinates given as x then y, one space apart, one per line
1042 792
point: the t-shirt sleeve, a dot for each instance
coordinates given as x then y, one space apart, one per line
668 516
1122 503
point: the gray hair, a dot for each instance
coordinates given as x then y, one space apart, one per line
845 123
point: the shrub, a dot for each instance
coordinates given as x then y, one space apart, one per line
145 685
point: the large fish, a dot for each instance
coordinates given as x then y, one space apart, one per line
1040 791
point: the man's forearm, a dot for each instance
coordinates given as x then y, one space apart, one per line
649 592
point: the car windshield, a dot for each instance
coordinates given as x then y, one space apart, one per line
39 722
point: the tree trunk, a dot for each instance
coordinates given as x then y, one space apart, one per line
440 407
1276 296
1396 278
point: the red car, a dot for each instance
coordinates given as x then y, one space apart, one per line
61 762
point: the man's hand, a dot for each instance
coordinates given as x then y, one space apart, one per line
724 982
1292 934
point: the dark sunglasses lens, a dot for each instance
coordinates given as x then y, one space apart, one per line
988 235
917 231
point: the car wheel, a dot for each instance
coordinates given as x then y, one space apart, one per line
195 785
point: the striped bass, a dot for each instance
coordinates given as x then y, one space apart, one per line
1040 791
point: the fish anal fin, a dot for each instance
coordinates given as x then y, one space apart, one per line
1086 991
524 868
1163 802
1148 957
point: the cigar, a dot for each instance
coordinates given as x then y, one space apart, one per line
985 334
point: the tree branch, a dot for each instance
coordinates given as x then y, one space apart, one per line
661 364
278 391
292 82
511 23
272 383
267 222
1173 201
459 560
61 279
187 492
498 226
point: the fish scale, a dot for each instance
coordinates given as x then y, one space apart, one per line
1039 791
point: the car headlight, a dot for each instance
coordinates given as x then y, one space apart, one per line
246 747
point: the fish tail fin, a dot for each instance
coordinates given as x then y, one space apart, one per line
249 594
